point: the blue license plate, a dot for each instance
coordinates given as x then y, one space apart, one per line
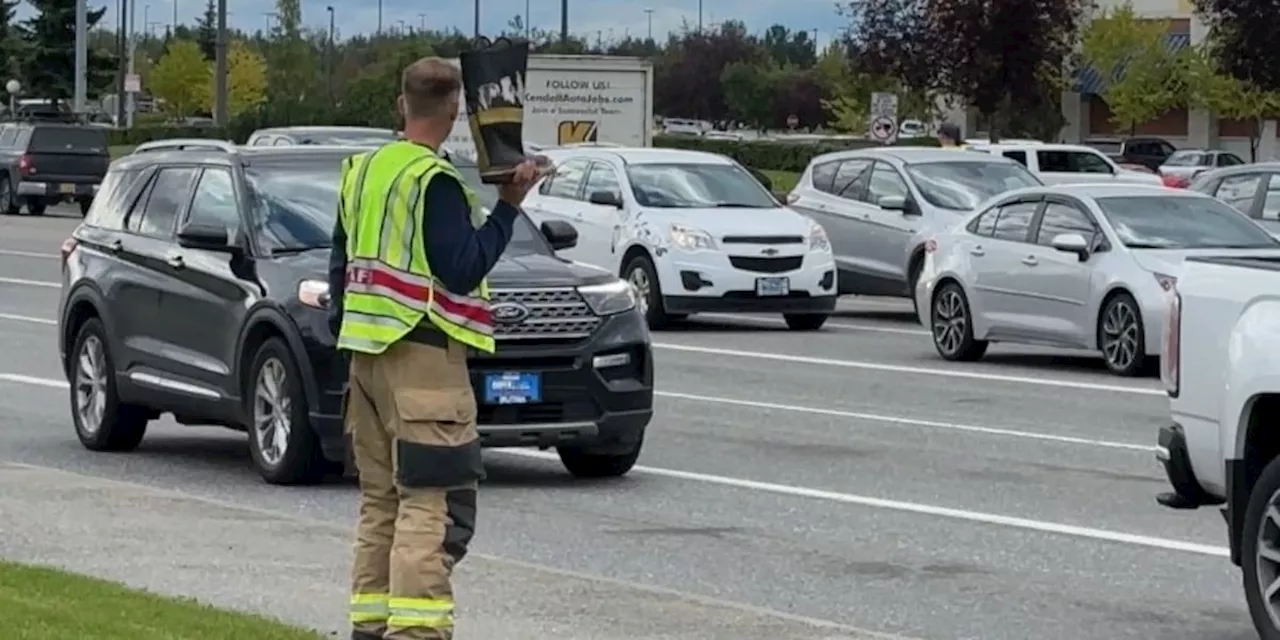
512 387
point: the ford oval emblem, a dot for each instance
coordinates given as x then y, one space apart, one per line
509 312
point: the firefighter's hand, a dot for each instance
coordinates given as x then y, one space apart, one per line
525 176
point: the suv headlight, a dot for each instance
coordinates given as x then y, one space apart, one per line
314 293
609 298
691 239
818 238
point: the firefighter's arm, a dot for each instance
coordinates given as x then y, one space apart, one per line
459 254
337 271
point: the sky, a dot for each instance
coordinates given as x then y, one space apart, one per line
589 19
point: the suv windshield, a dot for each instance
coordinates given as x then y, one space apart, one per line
297 204
62 139
697 186
1173 222
357 138
962 186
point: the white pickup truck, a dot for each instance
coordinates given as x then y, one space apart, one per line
1220 363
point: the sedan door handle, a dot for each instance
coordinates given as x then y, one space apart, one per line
115 246
1030 261
175 261
977 251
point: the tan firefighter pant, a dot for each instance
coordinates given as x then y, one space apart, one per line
412 419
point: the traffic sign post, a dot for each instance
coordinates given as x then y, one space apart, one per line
884 118
132 83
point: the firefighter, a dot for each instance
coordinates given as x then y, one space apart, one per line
411 250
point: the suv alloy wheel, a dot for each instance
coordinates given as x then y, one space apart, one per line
101 421
284 448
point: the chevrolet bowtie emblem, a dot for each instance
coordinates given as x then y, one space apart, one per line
770 252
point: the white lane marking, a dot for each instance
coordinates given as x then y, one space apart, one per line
934 424
898 368
32 380
844 498
836 325
28 254
1166 544
30 283
17 318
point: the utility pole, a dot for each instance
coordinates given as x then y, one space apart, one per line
332 52
82 56
526 19
133 54
564 21
220 68
379 17
175 18
122 52
699 17
477 25
649 15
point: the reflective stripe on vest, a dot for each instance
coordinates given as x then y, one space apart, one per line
390 288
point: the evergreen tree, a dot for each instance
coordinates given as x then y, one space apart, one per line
207 31
50 62
10 45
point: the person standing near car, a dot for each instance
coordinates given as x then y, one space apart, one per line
949 136
411 250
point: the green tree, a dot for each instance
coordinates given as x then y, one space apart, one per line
181 78
1229 97
246 79
293 66
207 31
371 96
10 45
1144 79
751 91
49 61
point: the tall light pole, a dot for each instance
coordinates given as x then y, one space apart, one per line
269 16
526 19
122 51
422 22
699 17
220 68
146 18
477 25
82 56
133 55
564 21
649 14
175 18
379 17
332 52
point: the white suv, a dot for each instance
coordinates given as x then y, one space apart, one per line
693 232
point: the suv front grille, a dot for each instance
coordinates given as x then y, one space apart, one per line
766 265
553 315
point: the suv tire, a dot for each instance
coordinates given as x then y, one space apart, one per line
276 407
805 321
640 273
102 422
8 204
597 465
36 207
1264 495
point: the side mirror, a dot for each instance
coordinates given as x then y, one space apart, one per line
207 236
1071 243
606 199
559 234
893 203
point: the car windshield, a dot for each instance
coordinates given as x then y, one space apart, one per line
697 186
1181 222
358 138
1188 159
962 186
297 205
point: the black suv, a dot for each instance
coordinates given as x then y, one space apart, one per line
197 286
46 163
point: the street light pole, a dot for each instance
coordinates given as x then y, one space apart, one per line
133 54
477 25
220 111
422 22
379 17
699 17
175 18
564 21
332 52
123 67
649 14
526 19
82 57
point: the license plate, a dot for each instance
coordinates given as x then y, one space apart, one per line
773 286
512 387
68 189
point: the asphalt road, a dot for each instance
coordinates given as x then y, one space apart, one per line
848 475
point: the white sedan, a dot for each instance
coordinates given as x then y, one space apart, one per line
693 232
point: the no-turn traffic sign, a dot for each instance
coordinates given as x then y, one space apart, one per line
884 129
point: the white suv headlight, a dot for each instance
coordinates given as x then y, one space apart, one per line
691 239
818 238
609 298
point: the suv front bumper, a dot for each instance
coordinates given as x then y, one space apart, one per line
597 393
1171 451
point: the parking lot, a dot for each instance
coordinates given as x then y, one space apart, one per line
848 475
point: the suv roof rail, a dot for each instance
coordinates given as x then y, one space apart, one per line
182 144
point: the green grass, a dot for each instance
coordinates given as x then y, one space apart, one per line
783 181
38 603
121 150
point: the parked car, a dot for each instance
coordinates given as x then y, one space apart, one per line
1253 189
694 232
341 136
1087 266
1067 163
1183 166
879 206
1219 448
1147 151
43 164
912 129
197 286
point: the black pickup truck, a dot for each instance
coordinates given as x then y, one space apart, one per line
46 163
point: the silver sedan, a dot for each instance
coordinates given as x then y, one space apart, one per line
1078 266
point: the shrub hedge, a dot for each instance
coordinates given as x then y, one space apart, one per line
761 154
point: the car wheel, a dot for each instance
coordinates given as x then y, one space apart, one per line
805 321
952 328
35 207
284 448
1260 552
641 274
596 465
102 422
1121 338
8 205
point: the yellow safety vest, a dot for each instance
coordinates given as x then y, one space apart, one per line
389 287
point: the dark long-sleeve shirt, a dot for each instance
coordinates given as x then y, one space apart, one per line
459 254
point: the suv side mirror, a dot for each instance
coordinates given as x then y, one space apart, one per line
1071 243
207 236
559 234
606 199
